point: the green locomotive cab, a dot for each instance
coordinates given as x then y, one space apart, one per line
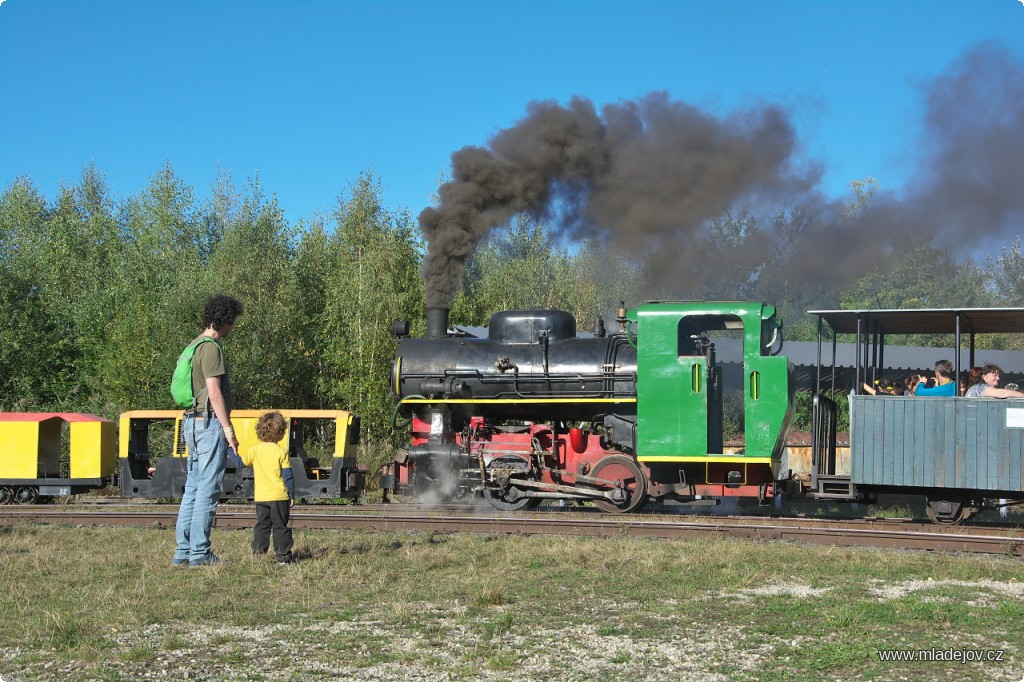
681 396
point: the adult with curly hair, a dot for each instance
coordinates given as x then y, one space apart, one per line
208 434
984 383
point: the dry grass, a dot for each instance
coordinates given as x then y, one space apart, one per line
104 603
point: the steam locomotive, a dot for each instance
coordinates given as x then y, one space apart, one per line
536 412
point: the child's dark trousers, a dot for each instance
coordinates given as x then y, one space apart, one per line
273 515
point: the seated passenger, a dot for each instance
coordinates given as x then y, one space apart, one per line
972 377
944 384
882 387
983 382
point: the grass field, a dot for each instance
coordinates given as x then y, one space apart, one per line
105 604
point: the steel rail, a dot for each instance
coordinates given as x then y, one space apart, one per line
1009 543
483 509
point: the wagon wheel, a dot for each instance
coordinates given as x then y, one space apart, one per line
630 479
6 495
27 495
949 512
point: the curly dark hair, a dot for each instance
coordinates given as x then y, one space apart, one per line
270 427
221 310
977 375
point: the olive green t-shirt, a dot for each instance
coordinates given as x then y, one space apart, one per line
209 361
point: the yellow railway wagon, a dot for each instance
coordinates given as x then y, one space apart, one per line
322 445
53 454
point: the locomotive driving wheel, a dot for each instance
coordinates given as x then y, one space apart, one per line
6 495
628 478
508 497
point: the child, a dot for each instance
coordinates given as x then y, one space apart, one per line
275 487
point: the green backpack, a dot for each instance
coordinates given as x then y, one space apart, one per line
181 380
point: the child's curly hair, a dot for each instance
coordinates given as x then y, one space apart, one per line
271 427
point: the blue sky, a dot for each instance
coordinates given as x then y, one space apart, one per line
309 94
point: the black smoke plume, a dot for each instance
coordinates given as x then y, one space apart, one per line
648 177
639 169
965 194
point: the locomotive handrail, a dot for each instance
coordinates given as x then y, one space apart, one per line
531 377
776 336
555 383
611 352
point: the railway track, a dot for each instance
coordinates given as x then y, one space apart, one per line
484 509
893 533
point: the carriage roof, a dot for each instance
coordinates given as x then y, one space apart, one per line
925 320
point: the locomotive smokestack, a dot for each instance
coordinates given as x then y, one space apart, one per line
437 323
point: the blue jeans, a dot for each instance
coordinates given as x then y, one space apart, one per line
207 459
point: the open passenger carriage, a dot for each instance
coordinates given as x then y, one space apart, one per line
962 455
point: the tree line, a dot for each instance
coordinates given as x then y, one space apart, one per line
99 294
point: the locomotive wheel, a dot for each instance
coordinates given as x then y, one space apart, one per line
502 469
27 495
949 512
626 472
6 495
500 501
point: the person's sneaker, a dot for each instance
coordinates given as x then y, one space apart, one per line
284 561
208 560
179 562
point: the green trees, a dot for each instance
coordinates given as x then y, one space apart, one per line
36 354
99 294
517 269
253 261
919 277
1008 275
157 288
58 264
370 277
521 267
